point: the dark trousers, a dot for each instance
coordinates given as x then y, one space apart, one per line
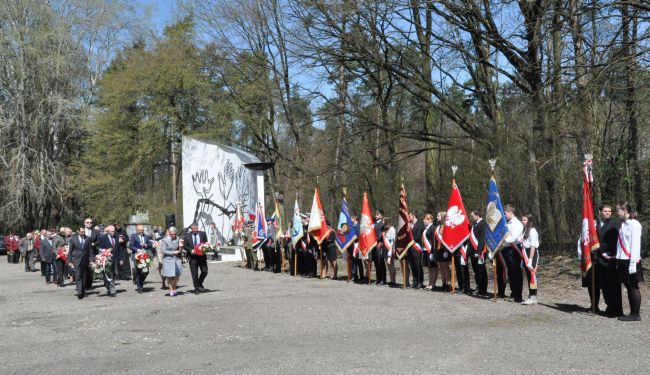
462 273
59 268
606 276
88 278
43 267
415 264
359 268
140 277
631 283
47 271
277 258
380 265
196 264
502 274
27 265
80 275
512 258
480 275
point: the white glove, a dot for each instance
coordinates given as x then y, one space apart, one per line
530 263
430 257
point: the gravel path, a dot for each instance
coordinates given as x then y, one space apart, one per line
260 323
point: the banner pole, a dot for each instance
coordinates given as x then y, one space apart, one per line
593 286
320 249
453 274
369 270
349 268
403 264
295 262
494 284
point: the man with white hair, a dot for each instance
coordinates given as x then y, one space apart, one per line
139 242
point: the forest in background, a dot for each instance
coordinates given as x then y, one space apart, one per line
356 94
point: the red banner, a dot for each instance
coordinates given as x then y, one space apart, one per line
367 236
456 230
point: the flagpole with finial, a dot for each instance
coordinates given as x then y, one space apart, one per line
493 163
320 244
454 168
587 166
349 259
402 262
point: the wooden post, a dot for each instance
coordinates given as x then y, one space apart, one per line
593 286
494 268
295 262
453 275
369 270
320 249
403 267
349 268
282 253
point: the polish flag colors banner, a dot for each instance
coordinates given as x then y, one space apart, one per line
367 236
456 230
261 231
404 232
588 235
317 223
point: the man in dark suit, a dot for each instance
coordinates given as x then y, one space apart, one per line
193 239
606 267
379 252
108 241
477 253
46 255
92 236
124 267
414 256
139 241
79 255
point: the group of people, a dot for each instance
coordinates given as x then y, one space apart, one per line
109 254
617 261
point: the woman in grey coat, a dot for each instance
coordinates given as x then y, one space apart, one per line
172 264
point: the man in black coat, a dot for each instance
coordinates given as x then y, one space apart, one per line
477 253
47 255
124 267
92 236
192 240
78 258
108 241
606 276
414 255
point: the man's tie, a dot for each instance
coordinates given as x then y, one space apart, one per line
196 241
141 241
112 241
81 239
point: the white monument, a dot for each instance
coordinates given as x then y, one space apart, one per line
214 180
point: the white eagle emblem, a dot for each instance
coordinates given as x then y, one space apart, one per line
454 217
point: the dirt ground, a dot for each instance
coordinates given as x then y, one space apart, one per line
260 323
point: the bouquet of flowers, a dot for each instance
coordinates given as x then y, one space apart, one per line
102 262
144 259
203 248
62 253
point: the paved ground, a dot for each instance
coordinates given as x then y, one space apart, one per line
260 323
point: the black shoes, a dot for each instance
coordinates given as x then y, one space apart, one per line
201 289
140 290
630 318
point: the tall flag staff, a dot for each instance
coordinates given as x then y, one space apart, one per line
496 229
404 233
456 226
588 236
318 225
345 237
296 234
367 235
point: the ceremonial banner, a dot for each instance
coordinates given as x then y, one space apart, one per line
404 232
296 230
496 229
279 232
317 223
343 240
238 226
260 232
588 235
456 229
367 235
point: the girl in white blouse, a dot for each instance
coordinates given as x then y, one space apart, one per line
530 257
